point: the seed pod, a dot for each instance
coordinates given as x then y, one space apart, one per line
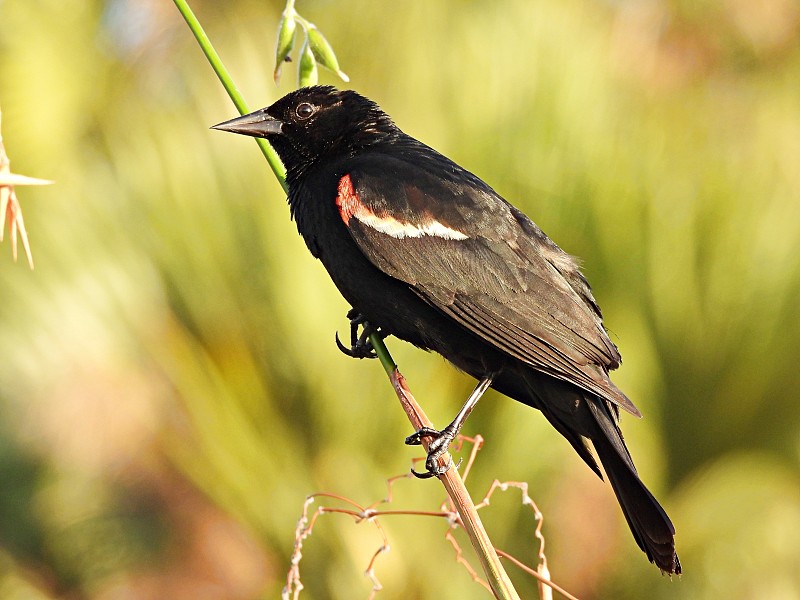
323 52
286 31
307 69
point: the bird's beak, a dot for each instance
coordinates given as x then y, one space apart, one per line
256 124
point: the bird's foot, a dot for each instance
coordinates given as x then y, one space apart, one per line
360 346
438 446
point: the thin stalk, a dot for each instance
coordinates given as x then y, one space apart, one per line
498 580
496 575
227 82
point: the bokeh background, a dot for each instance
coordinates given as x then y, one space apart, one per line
169 386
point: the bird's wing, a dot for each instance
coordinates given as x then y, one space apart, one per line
480 261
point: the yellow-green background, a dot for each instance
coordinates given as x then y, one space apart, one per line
169 386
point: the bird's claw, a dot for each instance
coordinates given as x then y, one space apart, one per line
360 346
361 349
438 446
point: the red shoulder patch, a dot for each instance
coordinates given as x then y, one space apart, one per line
350 206
347 200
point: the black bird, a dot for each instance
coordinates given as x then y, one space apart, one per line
426 251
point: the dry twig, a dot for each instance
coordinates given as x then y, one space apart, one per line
372 514
496 575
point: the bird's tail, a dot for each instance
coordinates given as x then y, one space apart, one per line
649 523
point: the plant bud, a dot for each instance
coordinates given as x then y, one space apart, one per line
286 31
323 52
307 69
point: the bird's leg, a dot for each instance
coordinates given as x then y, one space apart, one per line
360 346
442 439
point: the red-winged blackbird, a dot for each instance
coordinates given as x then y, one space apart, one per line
426 251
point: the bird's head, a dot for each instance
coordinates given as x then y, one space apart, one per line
313 123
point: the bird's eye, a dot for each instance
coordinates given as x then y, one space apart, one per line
304 110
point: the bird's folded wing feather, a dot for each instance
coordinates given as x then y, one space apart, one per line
483 263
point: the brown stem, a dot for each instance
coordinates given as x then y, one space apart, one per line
498 579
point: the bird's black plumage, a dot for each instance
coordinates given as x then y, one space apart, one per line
428 252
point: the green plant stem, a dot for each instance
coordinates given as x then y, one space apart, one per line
496 576
227 82
387 362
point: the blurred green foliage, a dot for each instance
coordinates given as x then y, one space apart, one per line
169 384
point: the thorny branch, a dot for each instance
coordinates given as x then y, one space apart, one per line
10 209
